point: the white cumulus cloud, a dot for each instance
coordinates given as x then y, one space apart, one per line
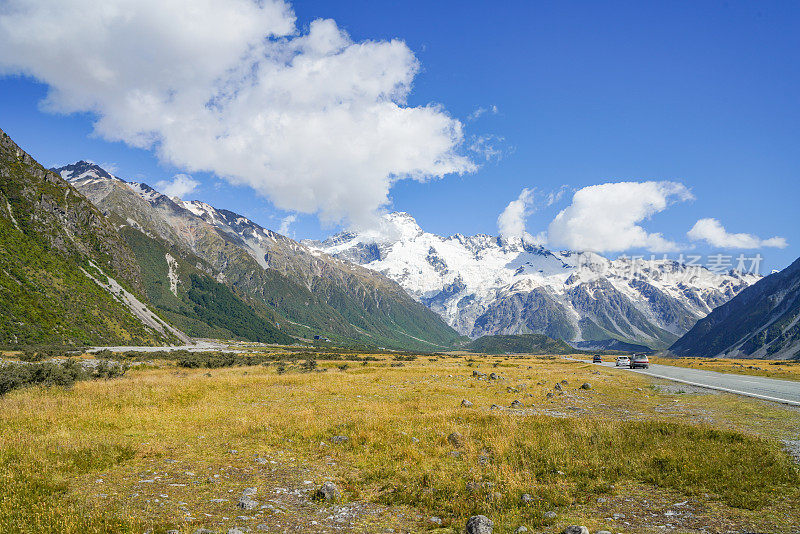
607 217
712 232
180 186
313 120
511 221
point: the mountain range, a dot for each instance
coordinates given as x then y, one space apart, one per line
151 269
303 292
763 321
485 285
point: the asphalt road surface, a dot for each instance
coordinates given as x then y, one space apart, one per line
783 391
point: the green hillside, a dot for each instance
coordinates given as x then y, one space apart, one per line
519 344
200 306
48 233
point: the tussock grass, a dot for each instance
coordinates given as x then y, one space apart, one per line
564 451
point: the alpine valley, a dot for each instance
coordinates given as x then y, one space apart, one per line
156 269
486 285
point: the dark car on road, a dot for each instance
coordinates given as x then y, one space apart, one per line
597 359
640 361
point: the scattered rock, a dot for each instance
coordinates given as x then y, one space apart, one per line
466 404
516 404
235 531
575 529
603 532
479 524
492 376
247 503
550 515
249 492
616 517
203 531
339 439
262 526
586 385
521 529
435 520
328 492
456 440
549 394
602 500
526 498
495 407
564 382
557 387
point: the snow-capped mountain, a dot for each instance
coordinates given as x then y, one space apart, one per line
490 285
307 291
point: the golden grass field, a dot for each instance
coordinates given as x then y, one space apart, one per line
782 369
153 449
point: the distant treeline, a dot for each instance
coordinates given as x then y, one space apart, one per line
216 359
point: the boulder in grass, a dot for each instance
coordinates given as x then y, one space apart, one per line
479 524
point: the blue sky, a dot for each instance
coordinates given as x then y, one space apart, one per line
704 94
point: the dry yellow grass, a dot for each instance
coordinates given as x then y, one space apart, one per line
155 447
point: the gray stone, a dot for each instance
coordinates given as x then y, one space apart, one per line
586 385
493 376
615 517
203 531
495 407
435 520
456 440
550 515
557 387
262 526
575 529
247 503
516 404
479 524
328 492
526 498
235 531
339 439
466 404
521 529
603 532
249 492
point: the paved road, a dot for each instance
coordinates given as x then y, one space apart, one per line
784 391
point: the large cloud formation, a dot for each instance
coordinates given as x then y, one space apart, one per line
607 217
312 120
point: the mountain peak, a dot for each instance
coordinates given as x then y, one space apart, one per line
83 170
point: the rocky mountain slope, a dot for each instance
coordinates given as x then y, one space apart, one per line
66 276
305 291
763 321
489 285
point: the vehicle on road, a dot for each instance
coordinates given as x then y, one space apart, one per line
623 361
639 361
597 359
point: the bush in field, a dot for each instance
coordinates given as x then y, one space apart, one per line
66 373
